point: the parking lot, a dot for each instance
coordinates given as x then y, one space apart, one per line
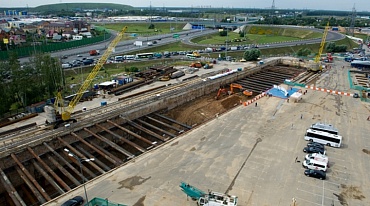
255 153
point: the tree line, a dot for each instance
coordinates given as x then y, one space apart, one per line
31 83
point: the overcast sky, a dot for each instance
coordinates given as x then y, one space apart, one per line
343 5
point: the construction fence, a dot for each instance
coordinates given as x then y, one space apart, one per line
52 47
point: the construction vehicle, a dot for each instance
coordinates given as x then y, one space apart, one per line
208 66
196 54
164 78
196 64
65 113
316 66
220 91
245 92
329 58
208 199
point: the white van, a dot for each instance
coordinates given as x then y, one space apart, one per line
315 165
318 157
66 66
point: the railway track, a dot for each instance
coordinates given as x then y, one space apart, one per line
97 114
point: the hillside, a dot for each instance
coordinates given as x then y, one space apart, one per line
74 7
281 31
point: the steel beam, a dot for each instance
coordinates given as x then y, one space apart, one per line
139 127
95 149
174 121
17 200
100 163
118 160
30 185
130 133
28 174
81 156
28 194
64 171
69 165
156 128
110 143
56 177
164 124
123 139
47 177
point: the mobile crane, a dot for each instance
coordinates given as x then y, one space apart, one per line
66 113
316 66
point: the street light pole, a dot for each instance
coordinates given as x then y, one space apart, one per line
80 160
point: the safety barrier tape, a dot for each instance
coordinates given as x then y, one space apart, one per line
329 91
254 99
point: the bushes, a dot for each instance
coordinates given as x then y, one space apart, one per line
332 47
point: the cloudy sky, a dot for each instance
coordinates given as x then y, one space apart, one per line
344 5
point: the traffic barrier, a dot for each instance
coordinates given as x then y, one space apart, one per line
329 91
254 99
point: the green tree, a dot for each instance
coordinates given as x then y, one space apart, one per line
303 52
223 33
252 54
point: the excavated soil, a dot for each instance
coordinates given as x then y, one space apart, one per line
205 108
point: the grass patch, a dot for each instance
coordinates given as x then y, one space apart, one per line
142 28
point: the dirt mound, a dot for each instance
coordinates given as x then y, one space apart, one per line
204 108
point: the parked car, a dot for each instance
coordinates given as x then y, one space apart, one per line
64 57
355 95
78 200
316 174
315 144
314 150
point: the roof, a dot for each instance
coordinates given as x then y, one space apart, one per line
296 95
107 83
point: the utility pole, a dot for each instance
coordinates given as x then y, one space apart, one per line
353 18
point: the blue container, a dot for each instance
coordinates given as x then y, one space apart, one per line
103 103
121 81
96 86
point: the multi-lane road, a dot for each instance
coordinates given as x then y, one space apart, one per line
184 36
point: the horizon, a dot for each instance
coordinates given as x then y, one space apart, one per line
232 4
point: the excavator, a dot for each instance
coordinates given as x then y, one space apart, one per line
238 86
65 113
220 91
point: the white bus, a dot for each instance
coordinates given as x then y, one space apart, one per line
325 128
324 138
190 56
129 57
144 56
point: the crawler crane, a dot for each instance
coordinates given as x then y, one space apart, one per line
66 112
316 65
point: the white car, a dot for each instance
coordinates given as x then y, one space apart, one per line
317 157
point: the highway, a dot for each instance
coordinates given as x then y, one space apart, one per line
128 46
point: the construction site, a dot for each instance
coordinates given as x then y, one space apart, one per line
38 170
223 129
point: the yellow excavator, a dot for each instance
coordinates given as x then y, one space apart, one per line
245 92
65 113
316 66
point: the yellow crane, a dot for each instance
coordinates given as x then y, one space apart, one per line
316 66
66 113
